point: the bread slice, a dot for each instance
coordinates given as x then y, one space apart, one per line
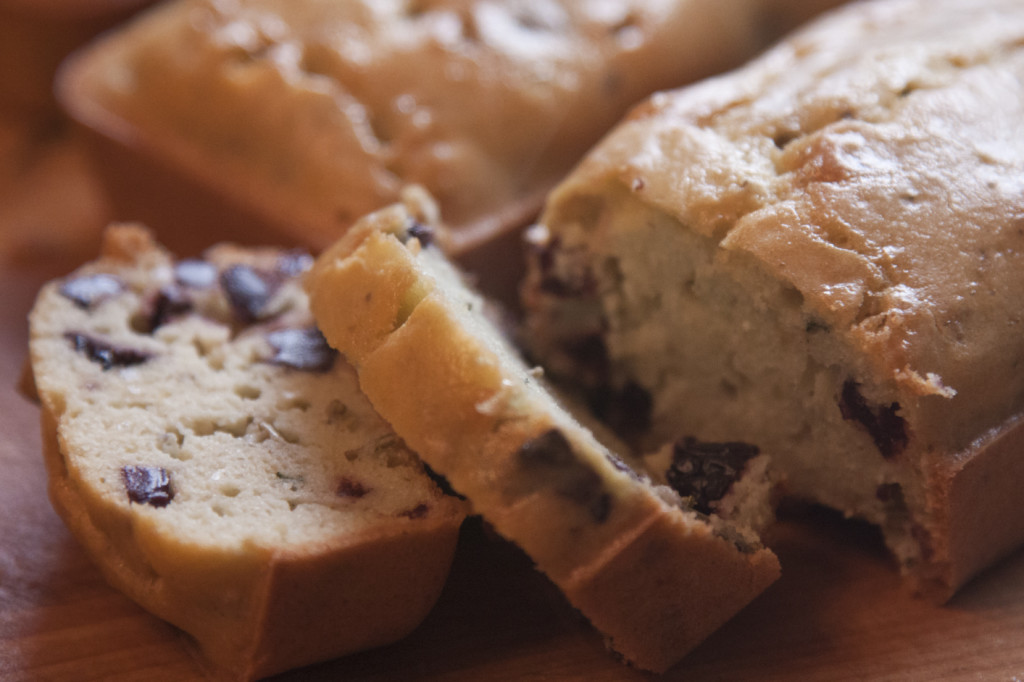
218 463
819 254
655 576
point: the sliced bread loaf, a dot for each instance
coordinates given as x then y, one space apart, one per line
819 254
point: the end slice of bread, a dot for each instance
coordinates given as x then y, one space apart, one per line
219 464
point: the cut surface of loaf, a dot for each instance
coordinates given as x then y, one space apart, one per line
819 254
218 462
653 574
276 104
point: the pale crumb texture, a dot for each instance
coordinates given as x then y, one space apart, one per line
220 464
819 254
654 576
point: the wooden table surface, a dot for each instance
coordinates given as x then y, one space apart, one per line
838 612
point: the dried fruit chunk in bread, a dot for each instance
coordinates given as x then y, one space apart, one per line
653 576
820 254
217 461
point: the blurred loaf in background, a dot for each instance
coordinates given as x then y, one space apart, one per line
283 122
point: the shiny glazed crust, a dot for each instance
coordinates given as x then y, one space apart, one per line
262 554
833 232
653 578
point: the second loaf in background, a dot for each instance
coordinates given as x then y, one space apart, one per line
283 122
654 572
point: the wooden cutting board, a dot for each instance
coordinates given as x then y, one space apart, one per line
838 613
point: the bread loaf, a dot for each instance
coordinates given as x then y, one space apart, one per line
298 116
819 254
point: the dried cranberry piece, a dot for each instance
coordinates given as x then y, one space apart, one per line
248 291
890 493
304 349
170 302
704 471
349 487
88 290
417 512
887 429
551 461
423 233
293 263
104 353
147 485
558 276
195 273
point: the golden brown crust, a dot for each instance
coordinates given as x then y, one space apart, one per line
684 582
451 387
485 104
970 495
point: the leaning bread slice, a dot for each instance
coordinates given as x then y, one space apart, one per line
219 464
654 576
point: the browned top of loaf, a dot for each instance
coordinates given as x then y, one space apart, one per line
337 105
873 161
